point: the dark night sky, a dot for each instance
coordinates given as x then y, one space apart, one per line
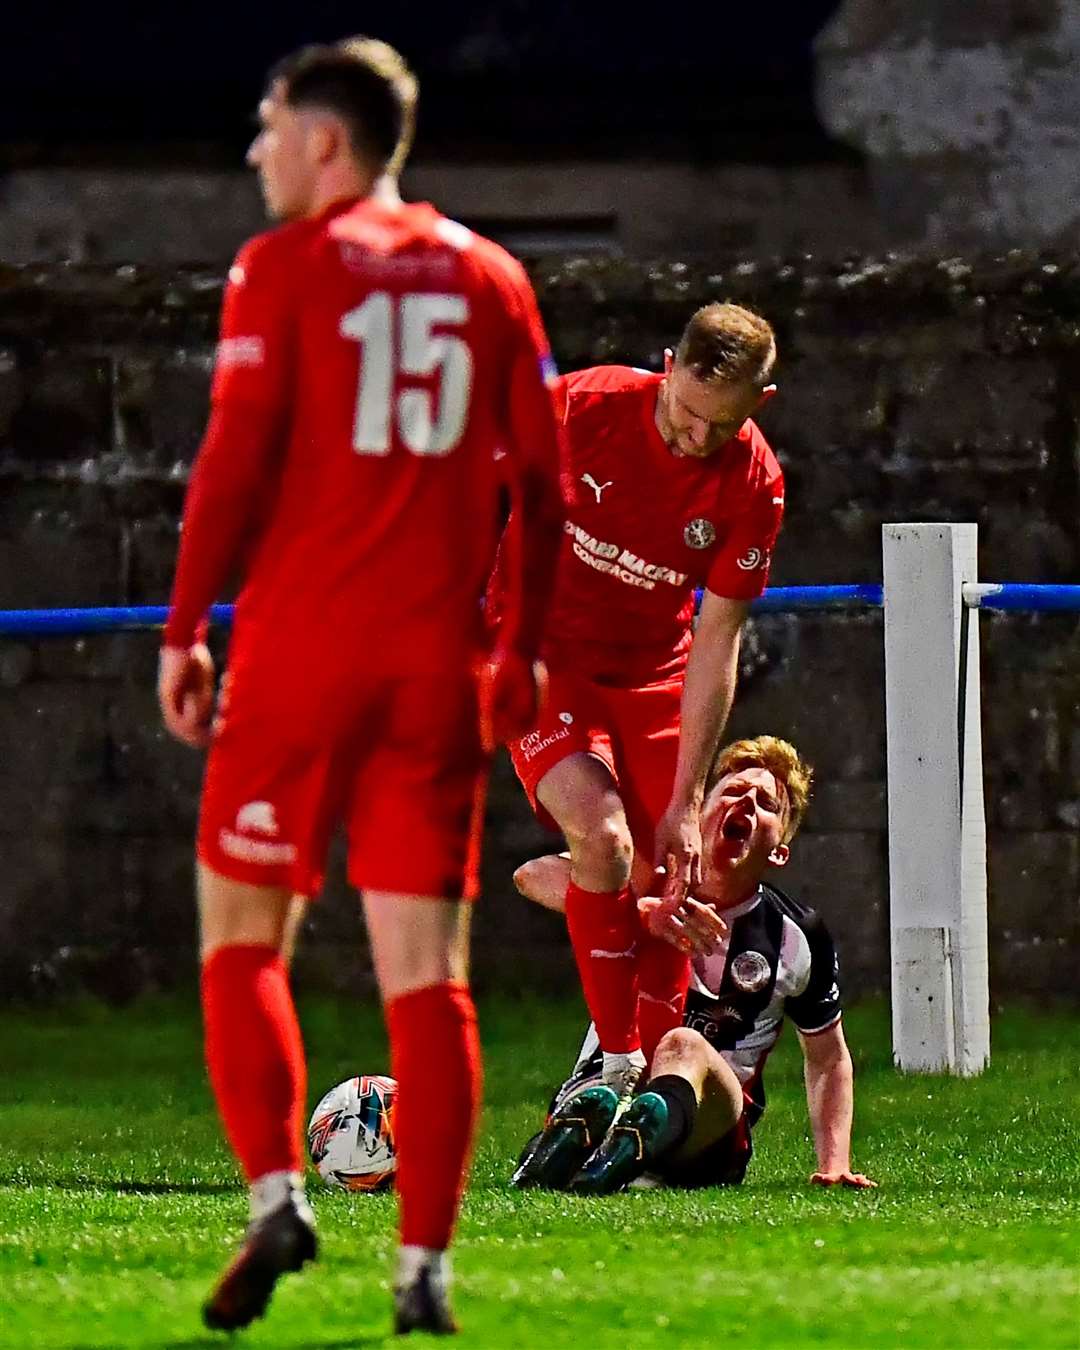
721 78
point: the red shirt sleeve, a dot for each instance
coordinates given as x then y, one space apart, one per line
740 568
254 359
250 396
530 548
560 397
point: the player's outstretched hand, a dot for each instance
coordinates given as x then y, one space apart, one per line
512 690
694 928
186 692
678 850
854 1180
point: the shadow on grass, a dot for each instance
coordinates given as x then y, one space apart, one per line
123 1187
372 1338
211 1338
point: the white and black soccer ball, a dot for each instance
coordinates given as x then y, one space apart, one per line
351 1134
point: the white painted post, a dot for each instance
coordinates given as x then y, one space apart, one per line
937 827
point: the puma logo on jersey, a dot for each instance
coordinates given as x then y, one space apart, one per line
598 488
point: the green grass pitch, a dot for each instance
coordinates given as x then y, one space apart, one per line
120 1203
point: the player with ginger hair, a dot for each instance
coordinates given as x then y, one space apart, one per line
758 957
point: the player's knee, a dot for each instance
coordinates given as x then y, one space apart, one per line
683 1046
602 839
527 879
543 881
524 878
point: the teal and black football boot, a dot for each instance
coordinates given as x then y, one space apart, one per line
568 1138
628 1149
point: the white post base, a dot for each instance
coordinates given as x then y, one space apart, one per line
937 829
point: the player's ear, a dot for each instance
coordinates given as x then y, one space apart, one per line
779 856
767 393
328 137
669 360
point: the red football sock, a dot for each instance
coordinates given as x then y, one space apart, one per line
604 933
255 1056
435 1053
663 979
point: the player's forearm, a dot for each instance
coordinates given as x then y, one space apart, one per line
706 702
830 1100
218 512
203 564
541 538
530 551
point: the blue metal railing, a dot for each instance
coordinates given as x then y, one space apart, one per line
137 618
776 600
1013 596
84 622
780 599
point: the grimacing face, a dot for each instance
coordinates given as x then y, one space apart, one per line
285 156
743 823
696 417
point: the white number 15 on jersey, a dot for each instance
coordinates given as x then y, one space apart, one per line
413 349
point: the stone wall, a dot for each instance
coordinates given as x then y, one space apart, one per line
967 115
639 206
943 126
909 390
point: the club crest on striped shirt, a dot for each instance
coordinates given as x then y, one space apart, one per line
699 533
750 972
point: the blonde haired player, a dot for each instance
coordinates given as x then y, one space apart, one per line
668 485
758 957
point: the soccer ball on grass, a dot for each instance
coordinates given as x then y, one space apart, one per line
351 1134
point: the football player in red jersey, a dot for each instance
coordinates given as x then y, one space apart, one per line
668 485
374 360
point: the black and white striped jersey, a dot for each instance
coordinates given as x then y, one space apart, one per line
777 961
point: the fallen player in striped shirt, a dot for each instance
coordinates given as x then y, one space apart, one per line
758 957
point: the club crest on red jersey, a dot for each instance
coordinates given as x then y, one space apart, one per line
700 533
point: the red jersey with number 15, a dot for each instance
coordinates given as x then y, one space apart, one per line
385 356
644 527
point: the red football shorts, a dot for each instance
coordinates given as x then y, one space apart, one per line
396 760
634 732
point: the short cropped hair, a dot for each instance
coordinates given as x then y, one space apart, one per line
726 342
783 761
365 82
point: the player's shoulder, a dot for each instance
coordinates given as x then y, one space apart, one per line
763 468
487 254
802 916
483 255
272 251
495 278
607 392
610 381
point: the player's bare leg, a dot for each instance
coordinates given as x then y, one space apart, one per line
544 880
420 947
294 922
692 1100
581 796
256 1063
